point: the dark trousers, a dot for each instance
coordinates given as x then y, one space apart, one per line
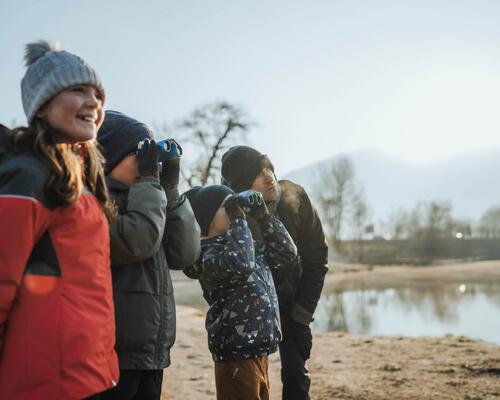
136 385
295 350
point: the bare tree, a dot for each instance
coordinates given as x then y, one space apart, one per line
333 189
359 213
206 134
427 220
434 220
439 220
396 224
358 219
489 224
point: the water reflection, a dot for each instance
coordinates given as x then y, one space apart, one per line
471 310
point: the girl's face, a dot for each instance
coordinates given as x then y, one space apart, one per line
76 112
220 221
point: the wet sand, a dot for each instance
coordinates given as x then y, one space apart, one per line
354 276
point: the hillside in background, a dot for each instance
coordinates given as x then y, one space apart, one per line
470 181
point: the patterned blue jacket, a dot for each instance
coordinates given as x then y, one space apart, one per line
243 319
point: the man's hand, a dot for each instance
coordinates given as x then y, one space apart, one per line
302 336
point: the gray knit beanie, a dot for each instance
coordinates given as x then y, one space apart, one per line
50 71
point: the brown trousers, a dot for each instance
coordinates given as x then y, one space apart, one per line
242 379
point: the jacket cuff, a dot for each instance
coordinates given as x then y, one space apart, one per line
265 220
300 314
149 178
173 198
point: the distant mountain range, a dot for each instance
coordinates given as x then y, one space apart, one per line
470 181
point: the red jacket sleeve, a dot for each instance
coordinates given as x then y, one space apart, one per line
23 219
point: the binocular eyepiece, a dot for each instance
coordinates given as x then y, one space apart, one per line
250 199
168 149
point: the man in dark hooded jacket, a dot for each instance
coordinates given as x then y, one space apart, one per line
156 231
299 285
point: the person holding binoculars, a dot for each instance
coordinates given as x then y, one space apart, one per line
156 231
299 283
243 321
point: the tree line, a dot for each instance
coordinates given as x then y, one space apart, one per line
344 209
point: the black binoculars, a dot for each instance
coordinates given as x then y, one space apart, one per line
250 199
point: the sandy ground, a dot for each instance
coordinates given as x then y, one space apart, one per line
348 366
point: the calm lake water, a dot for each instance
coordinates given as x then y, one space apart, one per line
471 310
438 309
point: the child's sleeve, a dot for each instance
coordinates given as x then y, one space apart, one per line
232 261
137 234
182 233
193 271
23 219
279 246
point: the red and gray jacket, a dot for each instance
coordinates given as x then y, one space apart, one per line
57 329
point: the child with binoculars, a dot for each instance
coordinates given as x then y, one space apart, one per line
155 232
243 321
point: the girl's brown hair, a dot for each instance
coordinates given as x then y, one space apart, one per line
71 166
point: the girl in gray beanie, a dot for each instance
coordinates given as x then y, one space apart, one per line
57 327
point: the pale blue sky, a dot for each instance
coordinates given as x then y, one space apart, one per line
418 79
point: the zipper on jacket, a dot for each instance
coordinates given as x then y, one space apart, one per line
273 308
267 289
160 329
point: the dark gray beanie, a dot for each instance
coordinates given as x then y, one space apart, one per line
241 165
119 136
50 71
205 201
